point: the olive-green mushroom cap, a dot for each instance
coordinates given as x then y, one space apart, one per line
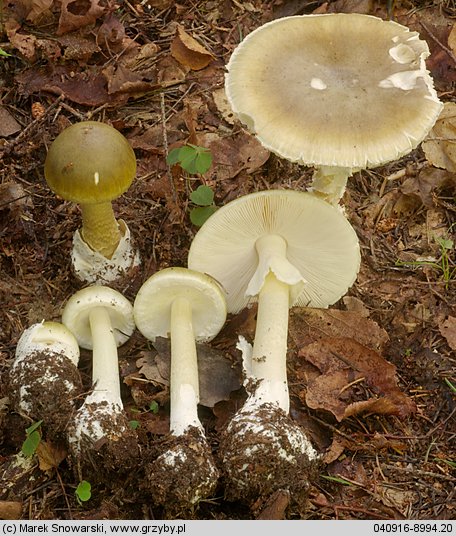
90 162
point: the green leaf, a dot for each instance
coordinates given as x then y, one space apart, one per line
134 425
202 196
5 54
199 215
153 407
187 159
173 156
31 443
337 479
84 491
203 161
445 243
33 427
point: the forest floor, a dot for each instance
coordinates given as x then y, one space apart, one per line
386 431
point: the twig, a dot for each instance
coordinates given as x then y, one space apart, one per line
441 45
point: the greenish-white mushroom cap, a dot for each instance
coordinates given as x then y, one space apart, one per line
77 311
342 90
152 307
321 259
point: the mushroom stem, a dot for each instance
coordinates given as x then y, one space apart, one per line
329 183
270 344
105 368
100 229
184 384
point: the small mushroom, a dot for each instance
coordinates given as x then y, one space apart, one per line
44 378
92 164
340 92
186 306
282 248
99 435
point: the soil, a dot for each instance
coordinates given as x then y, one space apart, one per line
372 379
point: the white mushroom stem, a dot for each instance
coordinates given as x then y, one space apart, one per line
105 367
184 384
273 277
329 183
270 344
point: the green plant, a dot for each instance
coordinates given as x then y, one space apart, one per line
83 491
32 440
195 160
203 197
191 158
153 408
5 54
444 264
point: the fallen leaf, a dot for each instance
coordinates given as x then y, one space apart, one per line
276 505
223 106
309 325
346 369
75 15
231 155
10 510
37 9
8 125
187 51
50 455
440 144
217 377
15 198
448 330
429 182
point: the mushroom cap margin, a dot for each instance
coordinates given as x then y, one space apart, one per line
321 244
75 315
152 306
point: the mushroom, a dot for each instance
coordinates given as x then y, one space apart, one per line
92 164
341 92
101 319
44 378
186 306
280 248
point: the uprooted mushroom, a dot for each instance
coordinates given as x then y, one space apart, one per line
99 435
92 164
186 306
280 248
44 378
340 92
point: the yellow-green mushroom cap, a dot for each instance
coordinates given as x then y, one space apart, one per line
90 162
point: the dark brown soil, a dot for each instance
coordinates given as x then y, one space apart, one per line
386 436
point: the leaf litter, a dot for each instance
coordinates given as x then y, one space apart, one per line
368 377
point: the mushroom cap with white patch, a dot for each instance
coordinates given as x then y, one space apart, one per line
152 307
48 337
321 247
340 89
76 313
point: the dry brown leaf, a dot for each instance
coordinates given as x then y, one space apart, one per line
73 17
223 106
187 51
448 330
50 455
308 325
346 369
10 510
440 144
231 155
8 125
217 377
428 182
452 39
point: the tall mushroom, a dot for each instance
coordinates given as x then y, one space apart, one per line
92 164
186 306
44 378
282 248
99 435
340 92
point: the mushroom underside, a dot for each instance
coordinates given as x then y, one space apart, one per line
184 473
262 450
